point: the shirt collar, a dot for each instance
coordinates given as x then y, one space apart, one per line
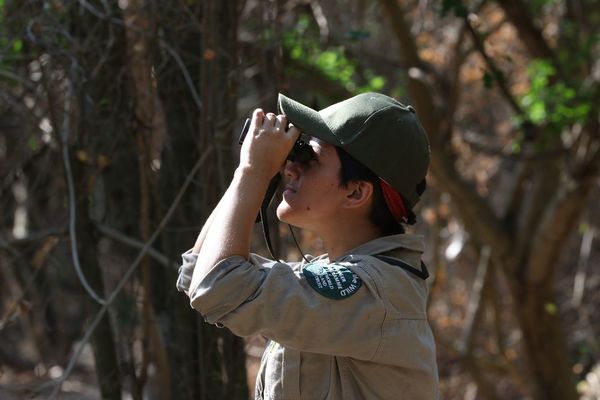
385 244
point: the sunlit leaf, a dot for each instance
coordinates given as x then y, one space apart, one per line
17 44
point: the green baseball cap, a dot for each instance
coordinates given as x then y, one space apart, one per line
380 132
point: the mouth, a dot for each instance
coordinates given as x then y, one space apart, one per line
289 189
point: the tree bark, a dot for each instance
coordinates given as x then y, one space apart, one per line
149 130
530 275
103 344
545 347
216 123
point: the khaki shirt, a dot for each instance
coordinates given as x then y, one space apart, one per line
373 342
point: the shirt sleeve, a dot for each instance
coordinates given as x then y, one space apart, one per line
273 299
186 270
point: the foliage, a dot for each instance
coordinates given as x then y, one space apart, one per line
333 62
534 209
552 102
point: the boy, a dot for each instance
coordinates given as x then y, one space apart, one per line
351 323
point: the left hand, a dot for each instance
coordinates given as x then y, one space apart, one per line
268 143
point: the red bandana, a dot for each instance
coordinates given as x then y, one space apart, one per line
394 201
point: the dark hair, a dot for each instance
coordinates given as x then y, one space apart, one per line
380 216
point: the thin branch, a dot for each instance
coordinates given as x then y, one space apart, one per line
479 143
129 272
161 42
497 73
517 192
417 68
14 77
520 16
477 214
136 244
474 210
580 275
321 19
557 222
32 237
474 307
65 131
184 71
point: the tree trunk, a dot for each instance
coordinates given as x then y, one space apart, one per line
545 347
532 282
102 340
217 121
149 130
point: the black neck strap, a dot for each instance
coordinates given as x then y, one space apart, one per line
422 273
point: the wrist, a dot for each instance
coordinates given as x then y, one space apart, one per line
253 173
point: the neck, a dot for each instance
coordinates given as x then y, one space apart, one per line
346 236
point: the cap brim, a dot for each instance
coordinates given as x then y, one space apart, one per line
309 121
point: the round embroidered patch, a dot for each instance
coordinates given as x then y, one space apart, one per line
332 280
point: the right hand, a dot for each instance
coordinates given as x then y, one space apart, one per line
268 143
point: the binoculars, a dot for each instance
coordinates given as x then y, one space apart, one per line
302 152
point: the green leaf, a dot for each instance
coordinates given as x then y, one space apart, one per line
32 143
303 44
17 44
551 102
377 82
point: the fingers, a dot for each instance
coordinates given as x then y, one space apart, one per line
293 131
275 123
280 122
257 118
269 121
272 122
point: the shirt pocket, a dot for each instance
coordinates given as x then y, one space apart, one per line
315 375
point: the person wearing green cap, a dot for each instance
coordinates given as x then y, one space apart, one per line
350 323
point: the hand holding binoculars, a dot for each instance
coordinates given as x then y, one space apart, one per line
302 152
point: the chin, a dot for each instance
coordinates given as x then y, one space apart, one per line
286 214
284 211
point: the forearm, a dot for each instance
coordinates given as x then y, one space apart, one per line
228 231
206 227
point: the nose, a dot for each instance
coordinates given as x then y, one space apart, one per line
292 169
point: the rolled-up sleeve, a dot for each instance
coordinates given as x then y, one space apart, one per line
259 296
186 270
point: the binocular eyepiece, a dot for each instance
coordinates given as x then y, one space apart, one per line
302 152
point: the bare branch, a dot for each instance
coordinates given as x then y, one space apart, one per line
557 222
129 272
32 237
474 210
580 276
520 16
64 135
474 307
184 71
476 213
417 68
136 244
529 152
495 70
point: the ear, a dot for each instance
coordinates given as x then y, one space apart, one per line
359 194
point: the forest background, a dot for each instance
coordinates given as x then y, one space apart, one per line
118 133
